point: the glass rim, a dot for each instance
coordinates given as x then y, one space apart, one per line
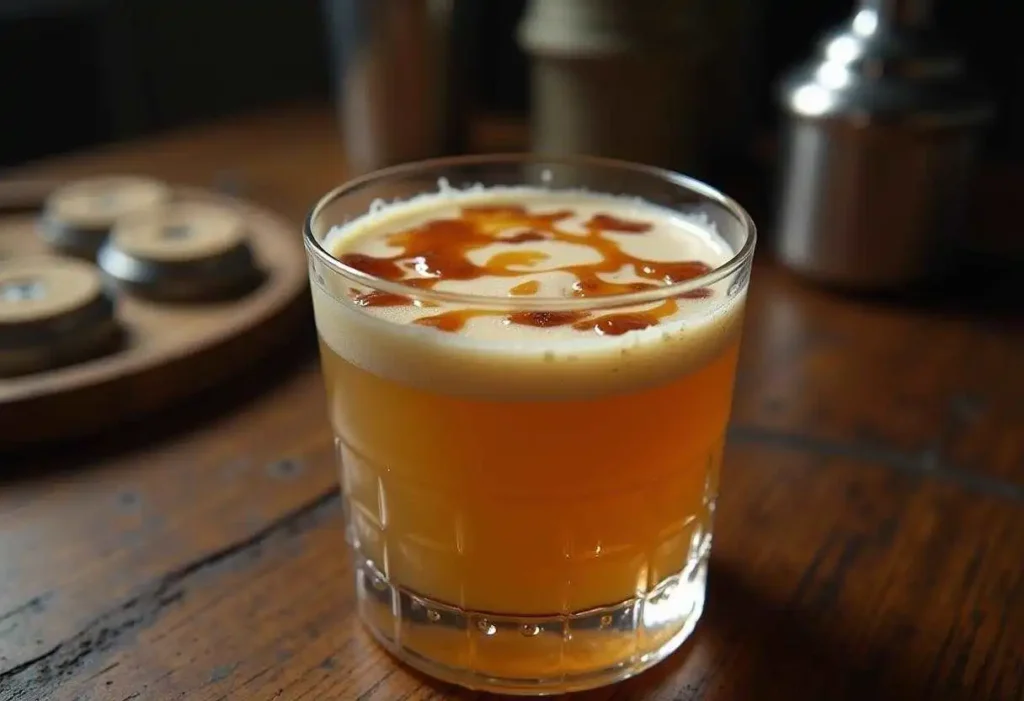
740 258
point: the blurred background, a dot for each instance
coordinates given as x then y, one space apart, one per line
75 73
843 125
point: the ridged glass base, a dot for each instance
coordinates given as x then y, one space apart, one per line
532 655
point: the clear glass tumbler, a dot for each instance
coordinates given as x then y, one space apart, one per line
536 521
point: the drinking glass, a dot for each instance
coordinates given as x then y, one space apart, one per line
519 523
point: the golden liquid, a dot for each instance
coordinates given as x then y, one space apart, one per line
548 510
526 507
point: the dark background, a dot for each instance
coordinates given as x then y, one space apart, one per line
75 73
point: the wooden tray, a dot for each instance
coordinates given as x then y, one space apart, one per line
170 350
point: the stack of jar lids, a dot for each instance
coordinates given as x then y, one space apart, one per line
147 242
184 251
78 217
53 311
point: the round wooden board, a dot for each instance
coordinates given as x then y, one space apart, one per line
171 350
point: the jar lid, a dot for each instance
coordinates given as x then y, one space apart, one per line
53 311
188 250
77 217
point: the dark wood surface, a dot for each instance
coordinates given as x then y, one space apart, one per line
869 544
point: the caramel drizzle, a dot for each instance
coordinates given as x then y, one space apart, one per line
525 289
438 250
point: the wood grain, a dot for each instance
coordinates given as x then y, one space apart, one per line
75 540
936 389
801 606
868 544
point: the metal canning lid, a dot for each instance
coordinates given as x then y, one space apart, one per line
183 251
77 217
53 312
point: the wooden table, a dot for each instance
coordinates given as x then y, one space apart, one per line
869 544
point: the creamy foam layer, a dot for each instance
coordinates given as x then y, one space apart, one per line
489 357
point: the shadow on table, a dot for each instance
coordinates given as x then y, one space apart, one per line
38 461
749 649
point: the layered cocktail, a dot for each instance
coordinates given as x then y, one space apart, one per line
529 367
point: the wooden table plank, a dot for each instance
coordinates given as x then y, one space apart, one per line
927 391
836 601
76 541
872 510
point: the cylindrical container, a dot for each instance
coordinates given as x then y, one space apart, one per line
607 79
398 78
653 81
529 468
880 142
